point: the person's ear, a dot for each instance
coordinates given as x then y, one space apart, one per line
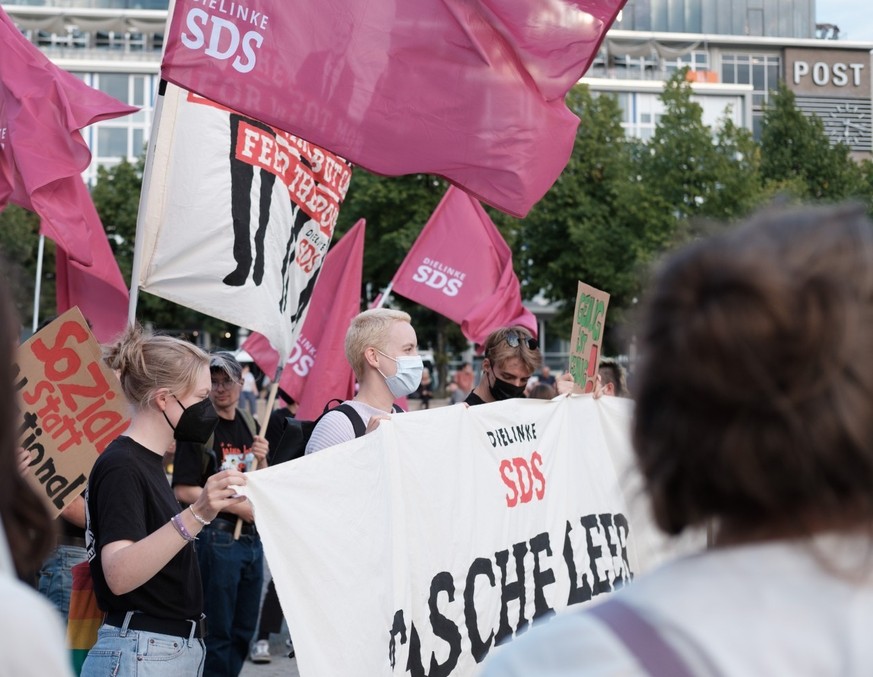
161 398
609 389
371 355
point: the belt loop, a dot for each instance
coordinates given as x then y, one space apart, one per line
124 625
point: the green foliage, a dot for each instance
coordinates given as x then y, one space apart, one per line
798 158
19 241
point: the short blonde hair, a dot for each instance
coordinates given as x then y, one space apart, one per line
147 362
370 328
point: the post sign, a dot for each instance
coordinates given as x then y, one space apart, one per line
588 322
71 404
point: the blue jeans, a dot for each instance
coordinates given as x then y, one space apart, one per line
233 573
135 653
56 576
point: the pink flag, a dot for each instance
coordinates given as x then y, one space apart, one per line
42 153
98 289
317 370
472 90
461 267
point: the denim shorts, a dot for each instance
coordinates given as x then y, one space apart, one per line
130 653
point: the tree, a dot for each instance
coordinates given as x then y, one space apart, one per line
596 224
19 239
798 158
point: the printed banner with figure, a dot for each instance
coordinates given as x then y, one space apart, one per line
461 267
72 406
421 547
472 90
238 216
317 370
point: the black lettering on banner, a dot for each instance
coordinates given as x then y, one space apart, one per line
443 628
541 578
578 593
480 567
511 591
604 540
595 554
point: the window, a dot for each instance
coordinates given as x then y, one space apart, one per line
759 70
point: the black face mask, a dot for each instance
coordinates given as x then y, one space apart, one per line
196 423
501 390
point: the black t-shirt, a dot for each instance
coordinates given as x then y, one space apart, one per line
473 399
128 498
276 426
232 441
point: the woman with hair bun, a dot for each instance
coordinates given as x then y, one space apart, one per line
754 417
140 541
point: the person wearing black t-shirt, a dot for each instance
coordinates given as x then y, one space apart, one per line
232 569
139 539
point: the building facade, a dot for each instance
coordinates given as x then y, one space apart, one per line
737 51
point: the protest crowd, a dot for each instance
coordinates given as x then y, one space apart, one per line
707 511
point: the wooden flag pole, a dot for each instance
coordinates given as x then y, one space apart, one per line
271 400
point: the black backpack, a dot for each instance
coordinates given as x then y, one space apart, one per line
293 442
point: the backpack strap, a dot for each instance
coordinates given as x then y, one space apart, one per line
641 639
353 416
250 422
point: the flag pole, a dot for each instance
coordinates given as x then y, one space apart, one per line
383 297
271 400
146 178
38 283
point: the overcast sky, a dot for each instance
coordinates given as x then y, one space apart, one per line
854 17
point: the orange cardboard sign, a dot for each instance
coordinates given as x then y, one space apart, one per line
587 337
72 406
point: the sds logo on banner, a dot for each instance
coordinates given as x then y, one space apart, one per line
524 478
223 39
439 276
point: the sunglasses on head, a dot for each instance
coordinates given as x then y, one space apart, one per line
514 338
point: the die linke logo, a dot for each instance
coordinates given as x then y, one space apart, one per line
439 276
522 475
236 37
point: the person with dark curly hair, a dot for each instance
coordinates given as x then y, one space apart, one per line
753 417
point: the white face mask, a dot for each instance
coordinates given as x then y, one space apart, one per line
408 376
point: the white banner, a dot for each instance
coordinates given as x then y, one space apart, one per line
401 551
237 217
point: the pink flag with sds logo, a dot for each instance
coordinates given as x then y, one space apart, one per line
472 90
461 267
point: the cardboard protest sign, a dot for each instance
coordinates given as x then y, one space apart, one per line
588 322
421 547
72 406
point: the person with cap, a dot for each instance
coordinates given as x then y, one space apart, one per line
511 356
232 569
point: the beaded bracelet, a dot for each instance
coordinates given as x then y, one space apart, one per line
176 521
202 521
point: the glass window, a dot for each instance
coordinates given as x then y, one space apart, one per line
114 84
112 142
138 146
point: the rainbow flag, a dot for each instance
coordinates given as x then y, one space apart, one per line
85 616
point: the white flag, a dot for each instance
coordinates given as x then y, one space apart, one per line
421 547
237 216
